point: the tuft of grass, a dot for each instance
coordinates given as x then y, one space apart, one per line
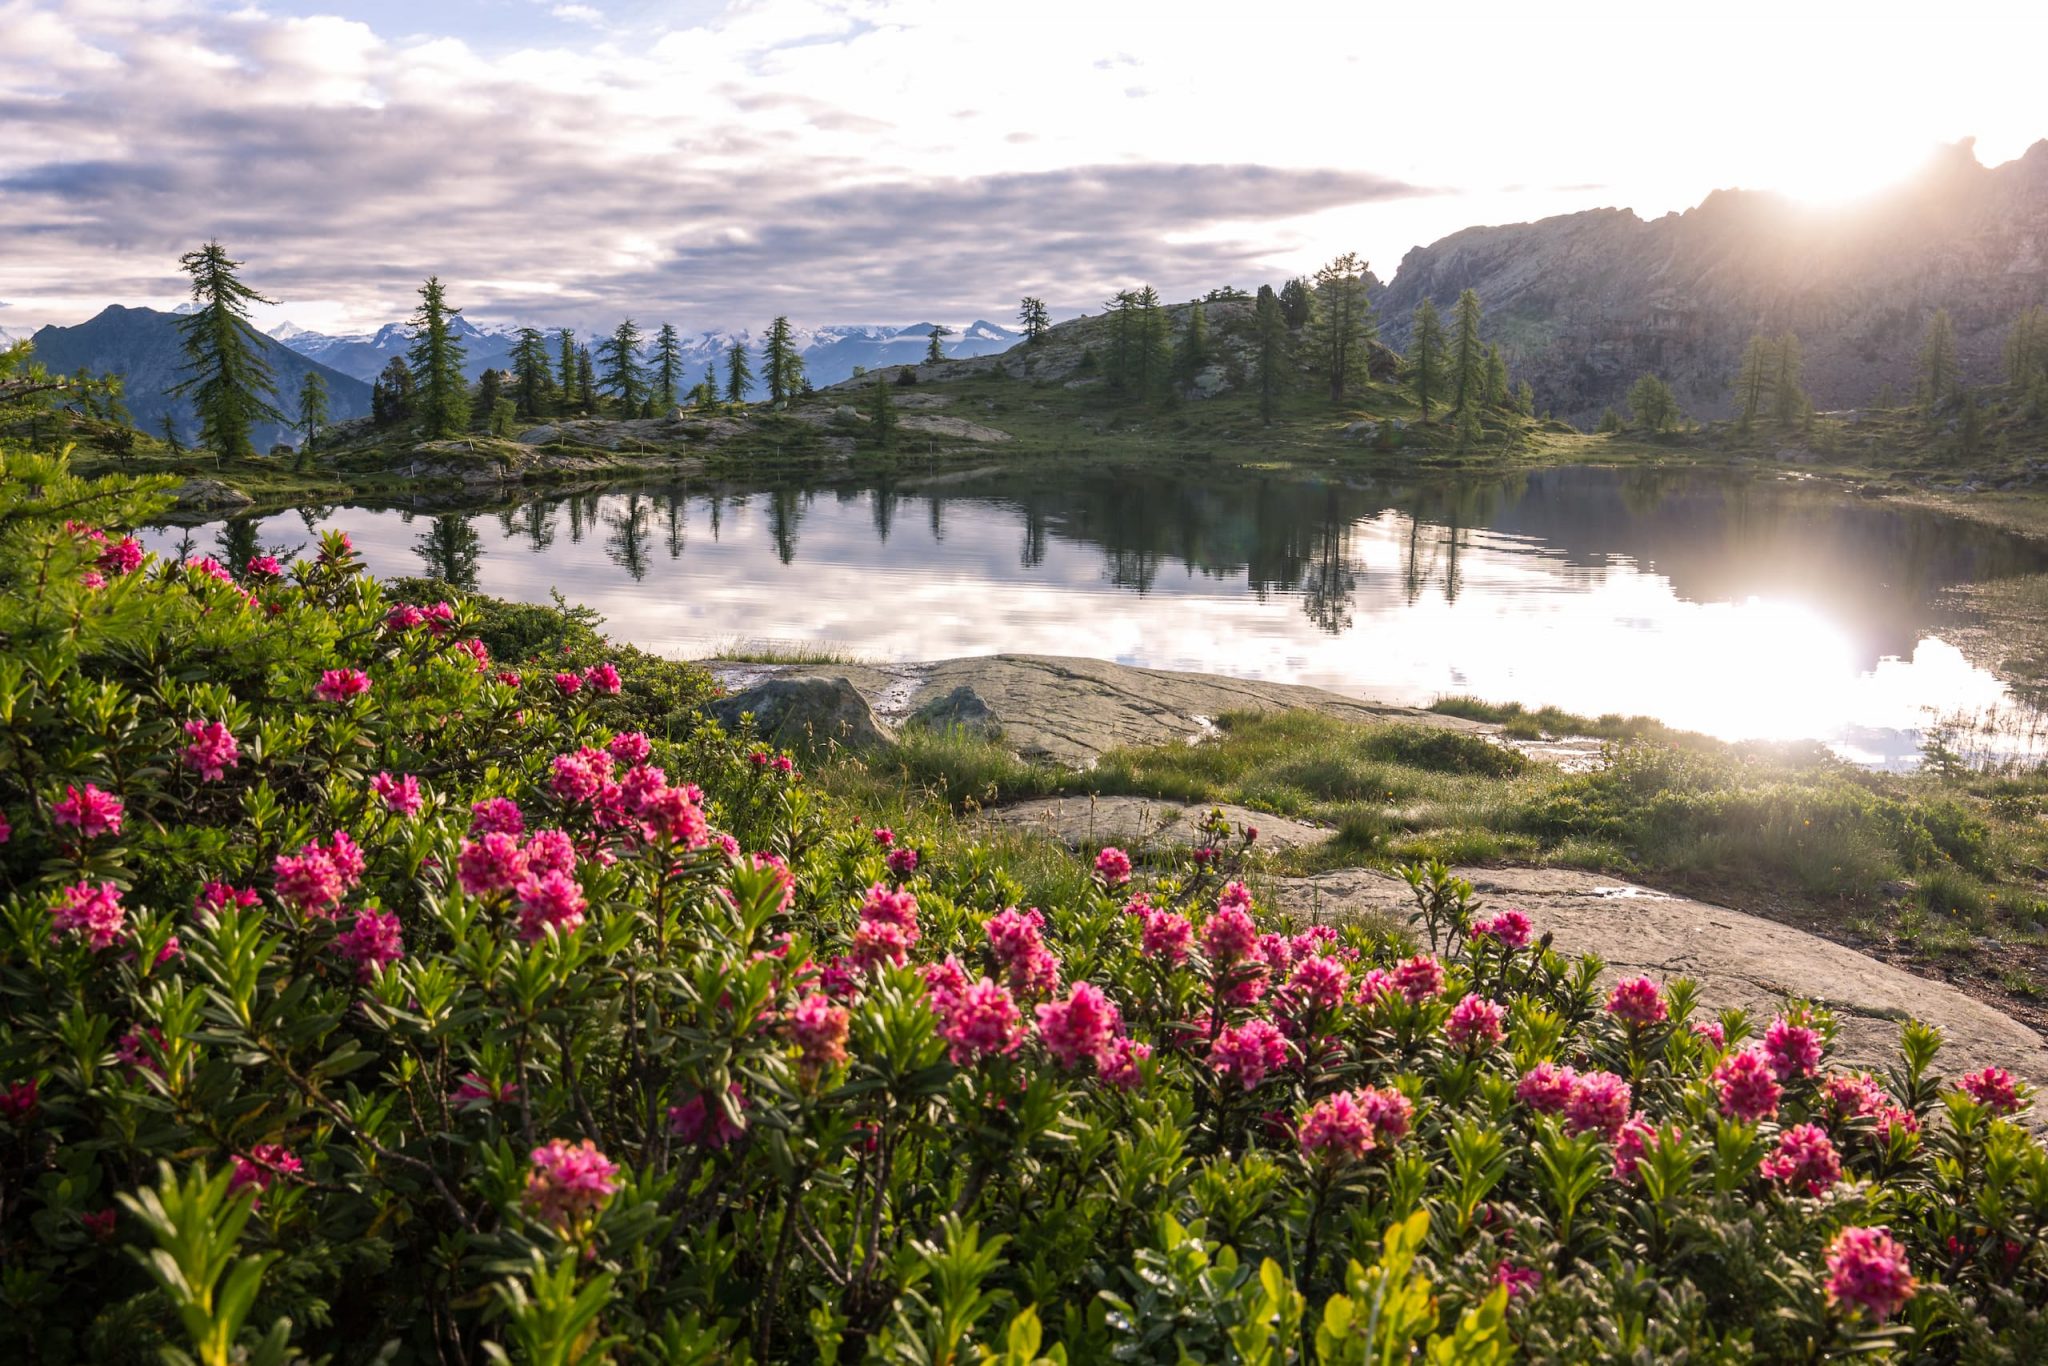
744 650
1524 723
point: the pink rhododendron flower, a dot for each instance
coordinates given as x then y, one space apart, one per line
1475 1024
877 942
1229 936
1993 1087
1419 979
372 943
1867 1270
1248 1052
902 861
602 679
883 836
261 1168
1711 1031
212 751
494 863
580 777
1390 1111
1164 935
217 896
1510 929
1318 983
1598 1101
1336 1128
140 1050
439 618
1749 1090
1630 1141
981 1021
891 907
945 981
498 816
1080 1028
548 901
1546 1087
1893 1120
6 830
1113 866
1123 1064
1522 1282
309 881
473 1089
1016 942
263 567
1793 1049
1375 984
819 1029
1637 1002
339 685
20 1100
91 910
1849 1097
700 1120
1804 1159
670 813
549 851
93 580
569 1181
403 616
401 794
91 812
569 684
630 747
478 652
123 557
347 857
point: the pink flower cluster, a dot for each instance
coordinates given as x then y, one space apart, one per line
1248 1052
262 1166
1805 1159
1510 929
1748 1086
1994 1088
91 812
902 860
1599 1101
1475 1024
373 943
1637 1003
1164 935
1230 934
400 795
548 900
1792 1048
122 557
90 910
1867 1270
1113 867
569 1181
978 1020
1016 941
701 1120
819 1028
340 685
1350 1124
315 879
212 750
888 928
1080 1029
1419 979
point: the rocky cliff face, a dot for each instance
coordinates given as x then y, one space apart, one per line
1586 302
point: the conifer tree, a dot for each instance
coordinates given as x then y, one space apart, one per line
312 409
1426 355
1037 322
565 370
668 368
1270 368
882 411
1652 404
169 427
2026 348
1938 360
1468 354
531 381
1341 324
785 368
1525 399
623 377
441 392
1192 353
226 376
1152 354
1610 422
1496 377
1123 326
391 397
1789 405
1756 379
739 374
504 417
490 387
586 381
935 353
1297 302
1970 433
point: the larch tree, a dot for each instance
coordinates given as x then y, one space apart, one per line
531 380
2026 349
1270 364
490 387
623 377
440 389
1652 404
565 370
391 397
784 366
1341 324
1297 301
1192 352
1756 379
739 374
586 381
1035 319
1496 377
1789 404
1938 360
226 377
668 368
1152 354
1468 354
312 415
936 352
882 411
1426 355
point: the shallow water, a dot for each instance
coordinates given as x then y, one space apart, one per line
1744 607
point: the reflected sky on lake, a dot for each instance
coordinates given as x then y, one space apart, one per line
1744 607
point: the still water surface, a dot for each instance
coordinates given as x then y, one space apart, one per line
1744 607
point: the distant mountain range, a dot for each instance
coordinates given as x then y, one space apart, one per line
830 353
142 345
1584 303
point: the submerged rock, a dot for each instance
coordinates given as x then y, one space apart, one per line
807 712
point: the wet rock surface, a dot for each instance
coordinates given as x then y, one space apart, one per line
1737 959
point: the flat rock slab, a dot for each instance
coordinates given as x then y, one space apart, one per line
1141 824
1738 960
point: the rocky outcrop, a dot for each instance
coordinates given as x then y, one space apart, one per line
1143 826
209 495
1585 303
806 712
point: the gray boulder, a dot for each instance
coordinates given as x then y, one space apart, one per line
210 495
806 712
960 709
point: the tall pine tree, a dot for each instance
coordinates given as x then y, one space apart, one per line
1426 355
623 379
668 369
785 368
882 411
312 414
1938 360
1789 405
586 381
1341 324
1032 314
1756 379
1468 355
565 372
531 381
1270 363
226 376
1192 352
739 374
440 389
935 353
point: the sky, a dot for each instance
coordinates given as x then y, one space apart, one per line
714 164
